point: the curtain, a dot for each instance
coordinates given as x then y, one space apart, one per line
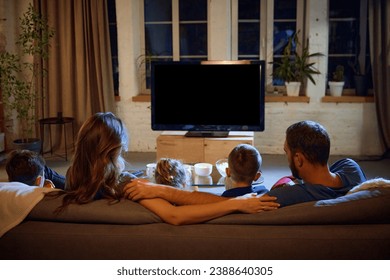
79 79
379 25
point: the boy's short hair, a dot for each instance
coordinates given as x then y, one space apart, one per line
24 166
244 162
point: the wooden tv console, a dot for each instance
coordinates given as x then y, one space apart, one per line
175 144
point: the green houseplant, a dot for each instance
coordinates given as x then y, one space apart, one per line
20 73
336 84
294 68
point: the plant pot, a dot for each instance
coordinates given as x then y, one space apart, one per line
336 88
293 88
361 86
32 144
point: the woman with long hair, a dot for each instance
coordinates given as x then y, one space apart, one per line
97 165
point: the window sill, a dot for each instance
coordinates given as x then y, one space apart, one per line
141 98
348 99
268 98
296 99
285 98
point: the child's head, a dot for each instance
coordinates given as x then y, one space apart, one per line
244 164
172 172
26 167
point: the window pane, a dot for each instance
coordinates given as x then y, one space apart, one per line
343 9
342 36
158 10
113 43
192 10
344 41
249 9
193 39
248 38
285 26
249 29
282 32
158 39
285 9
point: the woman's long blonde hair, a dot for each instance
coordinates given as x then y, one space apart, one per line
97 161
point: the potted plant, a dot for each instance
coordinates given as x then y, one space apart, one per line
293 67
336 84
20 73
360 77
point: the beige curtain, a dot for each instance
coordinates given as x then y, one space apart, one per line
379 25
79 80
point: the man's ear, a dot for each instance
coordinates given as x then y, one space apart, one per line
299 159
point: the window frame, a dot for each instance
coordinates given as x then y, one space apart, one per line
266 22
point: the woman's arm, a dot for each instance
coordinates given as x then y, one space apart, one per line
191 214
141 189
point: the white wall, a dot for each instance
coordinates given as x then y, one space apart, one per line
352 126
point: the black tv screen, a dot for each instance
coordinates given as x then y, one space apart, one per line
208 99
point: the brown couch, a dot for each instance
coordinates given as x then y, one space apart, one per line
355 226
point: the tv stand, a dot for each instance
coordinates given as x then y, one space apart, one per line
207 134
175 144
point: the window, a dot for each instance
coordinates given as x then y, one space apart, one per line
249 22
252 20
174 30
348 25
178 30
114 43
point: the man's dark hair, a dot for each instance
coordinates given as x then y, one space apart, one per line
311 139
24 166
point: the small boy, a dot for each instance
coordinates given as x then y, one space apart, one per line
243 169
29 167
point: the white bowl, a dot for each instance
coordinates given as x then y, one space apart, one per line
203 169
221 166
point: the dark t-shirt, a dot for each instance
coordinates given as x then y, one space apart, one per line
259 189
347 169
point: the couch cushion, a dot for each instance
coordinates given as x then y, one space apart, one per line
365 207
356 208
99 211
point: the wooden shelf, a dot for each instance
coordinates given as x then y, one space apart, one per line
348 99
268 98
287 99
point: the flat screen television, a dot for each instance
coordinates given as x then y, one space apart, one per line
208 99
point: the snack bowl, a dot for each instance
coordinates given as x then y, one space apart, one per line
221 166
203 169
